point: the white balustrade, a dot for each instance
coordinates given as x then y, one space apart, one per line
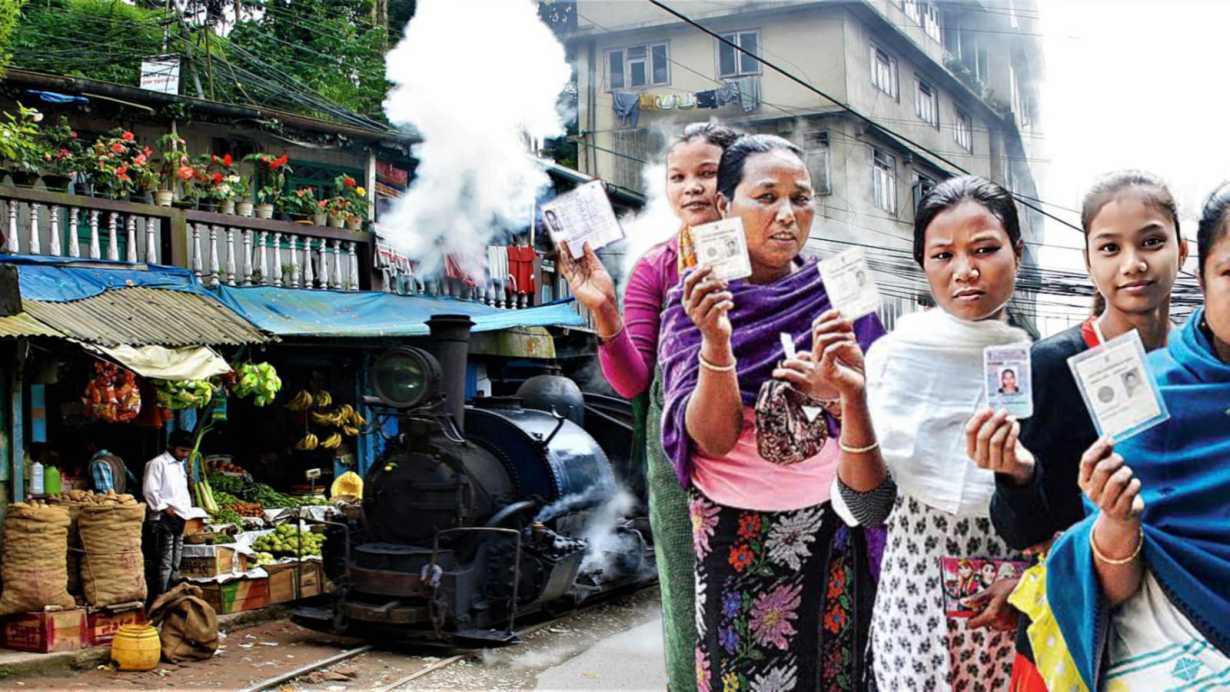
247 257
263 273
113 247
277 259
152 239
54 247
309 278
35 246
230 256
353 283
337 264
131 237
214 270
95 249
11 244
295 276
198 268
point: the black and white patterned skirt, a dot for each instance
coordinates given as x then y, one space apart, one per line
914 645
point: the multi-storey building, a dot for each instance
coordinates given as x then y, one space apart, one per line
958 79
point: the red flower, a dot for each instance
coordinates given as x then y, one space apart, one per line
323 203
349 182
749 526
117 148
122 173
279 162
127 136
227 160
140 160
837 582
216 178
72 134
185 172
835 619
147 151
740 557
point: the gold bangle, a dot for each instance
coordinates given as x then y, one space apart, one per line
856 450
1140 543
704 363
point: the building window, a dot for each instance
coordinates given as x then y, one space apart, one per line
638 66
884 181
884 71
927 104
931 20
634 147
910 7
963 132
819 159
738 63
923 184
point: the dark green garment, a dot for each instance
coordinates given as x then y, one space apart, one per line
672 544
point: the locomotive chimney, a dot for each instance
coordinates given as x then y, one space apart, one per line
450 342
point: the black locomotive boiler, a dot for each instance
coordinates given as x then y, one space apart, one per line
482 513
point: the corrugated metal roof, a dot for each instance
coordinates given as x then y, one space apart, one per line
22 324
146 316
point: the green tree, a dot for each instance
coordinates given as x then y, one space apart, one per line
330 47
97 39
10 12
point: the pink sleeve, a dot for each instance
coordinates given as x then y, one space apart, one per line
628 358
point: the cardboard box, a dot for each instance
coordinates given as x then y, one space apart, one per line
45 632
103 623
237 595
206 561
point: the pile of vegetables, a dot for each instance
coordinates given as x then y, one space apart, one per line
260 381
242 490
180 395
112 395
286 540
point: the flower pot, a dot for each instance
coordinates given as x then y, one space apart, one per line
24 178
57 183
164 198
354 223
244 209
264 211
337 220
228 207
321 219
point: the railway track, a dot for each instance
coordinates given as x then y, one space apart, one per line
290 677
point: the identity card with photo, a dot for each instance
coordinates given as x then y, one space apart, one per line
583 215
788 346
847 279
1008 380
1117 388
723 246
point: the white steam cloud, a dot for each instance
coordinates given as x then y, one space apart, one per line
475 78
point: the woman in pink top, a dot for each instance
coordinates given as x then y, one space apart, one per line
780 595
628 354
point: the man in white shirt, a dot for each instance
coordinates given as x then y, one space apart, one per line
168 502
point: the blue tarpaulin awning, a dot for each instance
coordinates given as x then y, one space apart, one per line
61 279
300 312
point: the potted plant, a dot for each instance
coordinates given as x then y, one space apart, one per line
353 202
62 155
270 180
28 148
225 183
320 216
174 169
301 205
336 210
123 167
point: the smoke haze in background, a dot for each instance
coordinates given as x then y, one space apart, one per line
474 78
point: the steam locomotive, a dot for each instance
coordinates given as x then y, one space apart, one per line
480 514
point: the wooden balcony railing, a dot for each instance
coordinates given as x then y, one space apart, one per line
218 248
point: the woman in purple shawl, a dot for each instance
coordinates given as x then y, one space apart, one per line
780 585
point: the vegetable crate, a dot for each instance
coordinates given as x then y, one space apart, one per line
47 631
103 623
238 595
205 561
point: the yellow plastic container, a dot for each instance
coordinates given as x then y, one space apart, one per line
136 647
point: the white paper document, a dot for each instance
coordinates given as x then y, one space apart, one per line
1008 379
847 279
723 246
1117 388
788 346
581 216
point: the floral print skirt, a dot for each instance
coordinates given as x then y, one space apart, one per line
783 599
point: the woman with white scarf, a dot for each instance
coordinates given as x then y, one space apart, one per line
904 457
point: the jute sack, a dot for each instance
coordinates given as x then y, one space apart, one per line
113 569
35 559
188 626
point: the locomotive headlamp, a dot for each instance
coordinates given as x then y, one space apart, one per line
407 377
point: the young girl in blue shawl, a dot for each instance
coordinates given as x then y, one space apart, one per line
1141 587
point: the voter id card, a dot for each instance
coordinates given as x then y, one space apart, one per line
849 285
788 346
1117 388
723 246
583 215
1009 383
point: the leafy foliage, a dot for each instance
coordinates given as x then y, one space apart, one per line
97 39
10 12
329 46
